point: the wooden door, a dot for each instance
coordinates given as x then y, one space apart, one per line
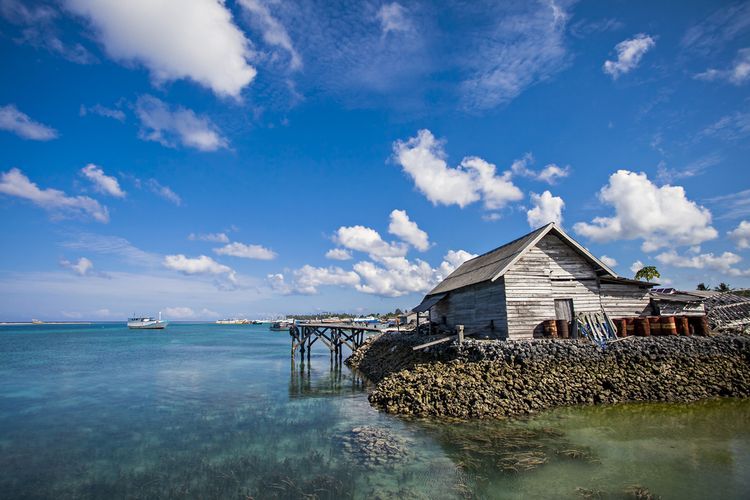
564 309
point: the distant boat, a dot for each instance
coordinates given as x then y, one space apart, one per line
232 321
280 326
146 323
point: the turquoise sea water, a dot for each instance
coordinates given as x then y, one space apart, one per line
214 411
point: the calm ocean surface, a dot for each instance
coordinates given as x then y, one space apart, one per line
213 411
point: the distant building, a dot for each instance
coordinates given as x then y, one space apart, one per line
508 292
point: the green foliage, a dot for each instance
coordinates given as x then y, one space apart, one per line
723 287
702 287
647 273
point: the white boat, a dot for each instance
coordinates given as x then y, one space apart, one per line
146 323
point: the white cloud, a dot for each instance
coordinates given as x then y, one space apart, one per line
168 126
98 109
549 174
723 262
103 183
272 30
730 127
15 183
164 192
399 277
308 279
451 261
608 261
38 30
547 208
661 216
524 44
492 217
182 312
369 241
82 267
738 74
408 231
174 39
629 54
393 18
246 251
423 159
212 237
692 169
113 245
13 120
338 254
741 235
198 265
636 266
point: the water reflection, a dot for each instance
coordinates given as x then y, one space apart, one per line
337 379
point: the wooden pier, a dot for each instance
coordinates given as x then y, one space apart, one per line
334 335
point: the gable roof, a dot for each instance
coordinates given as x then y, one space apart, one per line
493 264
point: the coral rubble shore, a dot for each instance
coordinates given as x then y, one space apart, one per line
495 379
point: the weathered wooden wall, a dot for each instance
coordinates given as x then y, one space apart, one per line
524 297
624 300
480 308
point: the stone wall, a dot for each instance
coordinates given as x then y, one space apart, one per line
493 379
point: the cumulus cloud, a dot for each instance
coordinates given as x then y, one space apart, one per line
246 251
741 235
737 74
369 241
525 45
549 174
406 229
274 33
547 208
636 266
174 39
608 261
198 265
424 160
722 263
102 183
661 216
13 120
629 54
168 126
451 261
15 183
393 18
338 254
98 109
212 237
308 279
82 267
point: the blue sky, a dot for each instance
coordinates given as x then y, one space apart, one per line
255 157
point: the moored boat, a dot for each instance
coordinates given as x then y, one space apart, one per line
146 323
232 321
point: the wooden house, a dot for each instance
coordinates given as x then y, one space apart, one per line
510 291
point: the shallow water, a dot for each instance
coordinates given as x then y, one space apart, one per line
220 411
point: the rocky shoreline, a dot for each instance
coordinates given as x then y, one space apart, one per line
496 379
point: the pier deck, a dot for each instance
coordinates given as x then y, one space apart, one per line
334 335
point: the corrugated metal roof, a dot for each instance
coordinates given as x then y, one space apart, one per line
486 266
494 263
428 302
